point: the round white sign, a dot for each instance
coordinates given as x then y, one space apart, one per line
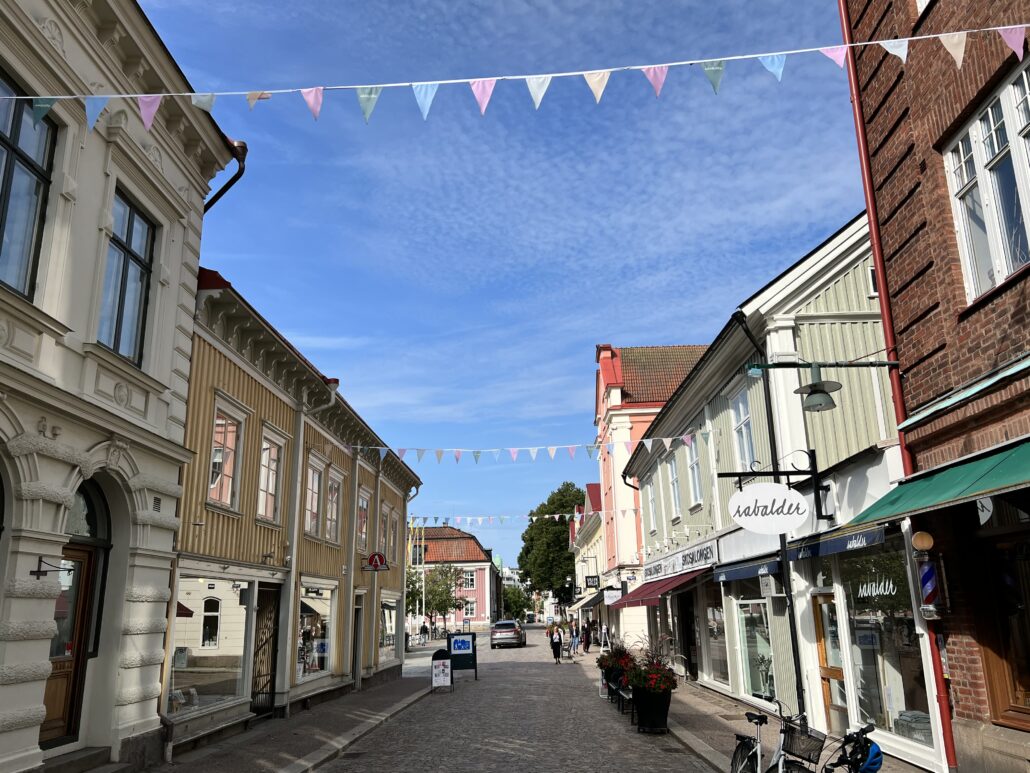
768 508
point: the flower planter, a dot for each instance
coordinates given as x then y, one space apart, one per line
652 709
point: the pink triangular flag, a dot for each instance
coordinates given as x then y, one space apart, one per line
490 519
1014 37
514 454
457 519
148 105
551 450
313 97
572 451
837 53
656 75
688 440
483 89
401 452
629 446
457 455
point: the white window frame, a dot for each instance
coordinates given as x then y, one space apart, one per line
674 486
336 478
466 574
238 413
740 423
315 465
275 438
466 606
694 472
651 505
361 539
204 614
394 535
384 521
1018 147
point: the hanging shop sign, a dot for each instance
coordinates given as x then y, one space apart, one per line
376 562
593 581
768 508
686 559
612 595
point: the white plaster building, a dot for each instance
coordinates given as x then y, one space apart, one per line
98 271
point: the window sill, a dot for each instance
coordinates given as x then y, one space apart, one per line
268 524
676 518
697 508
124 367
222 509
26 312
983 299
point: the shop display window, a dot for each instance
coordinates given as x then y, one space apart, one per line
890 685
210 633
755 641
315 639
387 631
718 662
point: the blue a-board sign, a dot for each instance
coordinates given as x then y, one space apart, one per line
462 647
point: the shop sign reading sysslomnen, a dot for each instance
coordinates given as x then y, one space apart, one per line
593 581
685 560
768 508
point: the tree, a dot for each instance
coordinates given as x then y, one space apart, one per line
545 557
413 591
516 602
442 584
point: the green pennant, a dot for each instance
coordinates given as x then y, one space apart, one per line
40 107
367 98
714 71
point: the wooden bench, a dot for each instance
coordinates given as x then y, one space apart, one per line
566 650
626 699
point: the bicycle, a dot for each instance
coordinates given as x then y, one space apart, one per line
858 754
796 740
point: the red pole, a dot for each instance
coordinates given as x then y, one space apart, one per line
887 317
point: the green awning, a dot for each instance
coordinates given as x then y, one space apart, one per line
994 473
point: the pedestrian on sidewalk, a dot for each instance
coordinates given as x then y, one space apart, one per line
424 634
556 642
575 638
585 632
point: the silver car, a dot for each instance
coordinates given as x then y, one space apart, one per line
507 633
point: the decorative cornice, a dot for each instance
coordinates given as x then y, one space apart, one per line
137 626
153 483
20 718
142 659
141 593
18 588
20 673
147 518
28 630
26 444
139 694
38 490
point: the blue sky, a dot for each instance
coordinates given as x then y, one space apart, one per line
456 274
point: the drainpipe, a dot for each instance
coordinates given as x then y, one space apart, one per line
238 148
886 315
287 606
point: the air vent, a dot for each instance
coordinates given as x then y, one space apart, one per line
157 504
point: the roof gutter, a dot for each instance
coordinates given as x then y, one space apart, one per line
238 148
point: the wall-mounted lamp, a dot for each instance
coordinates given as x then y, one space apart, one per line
817 393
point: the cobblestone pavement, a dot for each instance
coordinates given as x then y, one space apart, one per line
524 713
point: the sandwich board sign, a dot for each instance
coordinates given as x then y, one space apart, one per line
442 676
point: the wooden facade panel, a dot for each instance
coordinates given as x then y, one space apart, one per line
851 291
317 555
209 530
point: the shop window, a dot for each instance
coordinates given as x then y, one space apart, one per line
362 537
890 684
718 661
387 631
314 643
209 636
753 624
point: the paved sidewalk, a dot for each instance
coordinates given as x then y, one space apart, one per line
307 739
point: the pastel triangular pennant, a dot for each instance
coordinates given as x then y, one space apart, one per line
514 454
504 519
774 64
479 520
367 98
457 455
497 454
597 81
836 53
483 89
490 519
94 107
610 446
476 455
313 98
590 450
436 519
572 451
955 44
551 450
383 452
629 446
897 47
537 85
688 440
401 452
668 443
203 101
457 520
419 453
714 72
425 93
439 455
148 105
533 452
1014 38
253 97
656 77
647 443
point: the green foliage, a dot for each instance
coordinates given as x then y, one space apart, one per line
516 602
442 584
413 591
545 557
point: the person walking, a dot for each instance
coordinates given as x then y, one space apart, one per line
575 638
556 642
585 632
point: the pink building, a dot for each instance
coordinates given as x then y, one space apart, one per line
481 581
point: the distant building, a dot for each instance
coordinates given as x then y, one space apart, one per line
511 577
481 581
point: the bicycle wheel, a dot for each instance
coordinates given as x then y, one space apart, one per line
743 757
793 766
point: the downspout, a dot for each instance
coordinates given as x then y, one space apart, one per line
887 317
287 606
238 148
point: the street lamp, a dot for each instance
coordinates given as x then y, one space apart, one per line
817 393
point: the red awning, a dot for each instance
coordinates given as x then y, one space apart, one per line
648 594
181 610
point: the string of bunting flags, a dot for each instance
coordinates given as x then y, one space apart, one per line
424 92
417 521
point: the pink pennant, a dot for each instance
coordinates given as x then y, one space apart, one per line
656 75
572 452
1014 37
629 446
688 440
837 53
313 97
514 454
457 455
490 519
457 519
148 106
401 452
483 90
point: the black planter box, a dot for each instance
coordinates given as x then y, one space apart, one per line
652 709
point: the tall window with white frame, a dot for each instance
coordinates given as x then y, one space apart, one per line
332 510
123 305
226 440
26 161
988 170
268 480
651 506
674 486
694 470
743 442
384 527
362 536
468 579
313 501
394 526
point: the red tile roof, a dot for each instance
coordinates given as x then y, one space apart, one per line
652 373
448 545
593 497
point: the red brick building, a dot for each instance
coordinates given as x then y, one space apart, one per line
948 150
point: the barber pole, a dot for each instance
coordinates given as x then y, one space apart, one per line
928 589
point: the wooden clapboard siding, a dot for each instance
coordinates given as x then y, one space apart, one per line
316 555
226 535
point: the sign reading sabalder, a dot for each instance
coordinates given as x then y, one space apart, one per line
768 508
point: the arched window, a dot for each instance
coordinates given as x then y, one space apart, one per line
209 628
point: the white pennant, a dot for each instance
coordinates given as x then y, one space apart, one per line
647 443
955 44
668 443
551 450
420 452
537 85
897 47
533 452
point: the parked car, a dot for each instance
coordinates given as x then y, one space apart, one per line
507 633
530 617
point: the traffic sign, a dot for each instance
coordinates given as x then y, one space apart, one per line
376 562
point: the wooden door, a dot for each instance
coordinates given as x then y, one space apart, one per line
266 637
69 648
831 664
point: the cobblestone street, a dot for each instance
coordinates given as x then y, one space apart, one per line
524 713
